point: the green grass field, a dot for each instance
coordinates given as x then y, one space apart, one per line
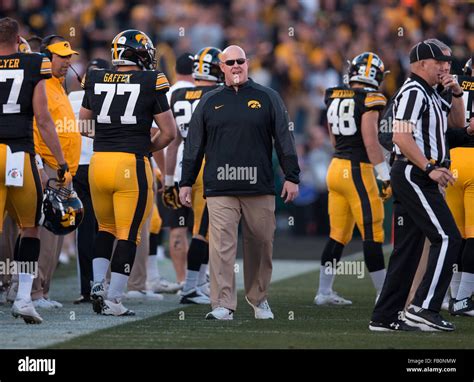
298 324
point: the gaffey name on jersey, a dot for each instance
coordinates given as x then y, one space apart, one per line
9 63
115 77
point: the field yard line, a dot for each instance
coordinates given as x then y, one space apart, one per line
77 320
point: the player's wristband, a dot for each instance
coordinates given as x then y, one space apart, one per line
383 171
169 180
39 162
458 95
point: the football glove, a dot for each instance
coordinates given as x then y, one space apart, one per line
170 197
386 192
64 176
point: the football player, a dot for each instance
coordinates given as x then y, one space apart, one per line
123 105
22 95
460 199
353 193
207 76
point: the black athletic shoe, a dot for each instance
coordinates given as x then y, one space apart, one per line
464 307
428 317
395 326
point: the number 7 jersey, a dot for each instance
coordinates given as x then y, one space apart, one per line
19 74
345 109
124 104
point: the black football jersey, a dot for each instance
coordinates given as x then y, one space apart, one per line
345 109
19 74
183 103
124 104
461 138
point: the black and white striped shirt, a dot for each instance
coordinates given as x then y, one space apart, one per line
422 105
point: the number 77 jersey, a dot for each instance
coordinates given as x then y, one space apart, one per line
345 109
123 104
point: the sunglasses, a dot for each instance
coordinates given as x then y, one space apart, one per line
239 61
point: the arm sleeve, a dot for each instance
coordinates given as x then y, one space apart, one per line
409 105
161 89
194 147
284 140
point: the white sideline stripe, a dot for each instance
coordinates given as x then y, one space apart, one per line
58 326
444 245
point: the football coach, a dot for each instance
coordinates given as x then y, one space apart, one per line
235 128
428 100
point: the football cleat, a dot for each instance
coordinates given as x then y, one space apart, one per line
111 308
26 310
98 296
220 313
194 296
331 299
428 317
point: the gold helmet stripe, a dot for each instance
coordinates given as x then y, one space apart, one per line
115 45
369 64
201 58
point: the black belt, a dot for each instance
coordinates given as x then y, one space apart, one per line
446 163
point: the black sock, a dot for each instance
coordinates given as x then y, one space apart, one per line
153 244
197 253
332 252
124 257
373 256
103 245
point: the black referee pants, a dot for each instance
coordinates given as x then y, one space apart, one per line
87 231
419 211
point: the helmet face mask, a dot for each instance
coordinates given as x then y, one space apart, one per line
367 68
206 65
62 210
133 47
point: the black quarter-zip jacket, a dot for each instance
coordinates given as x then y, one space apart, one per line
236 130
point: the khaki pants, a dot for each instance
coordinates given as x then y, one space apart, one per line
7 245
137 279
51 245
258 228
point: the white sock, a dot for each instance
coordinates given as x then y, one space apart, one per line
378 278
100 267
118 283
326 279
466 287
152 272
202 274
454 286
24 286
191 280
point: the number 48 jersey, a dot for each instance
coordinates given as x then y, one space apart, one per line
345 109
124 104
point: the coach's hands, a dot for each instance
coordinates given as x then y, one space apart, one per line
170 197
185 196
290 190
386 192
442 176
64 176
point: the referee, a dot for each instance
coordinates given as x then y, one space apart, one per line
235 126
427 101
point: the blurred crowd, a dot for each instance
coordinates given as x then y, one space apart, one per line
298 47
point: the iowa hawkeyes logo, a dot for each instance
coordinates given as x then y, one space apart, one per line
69 218
253 104
141 39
